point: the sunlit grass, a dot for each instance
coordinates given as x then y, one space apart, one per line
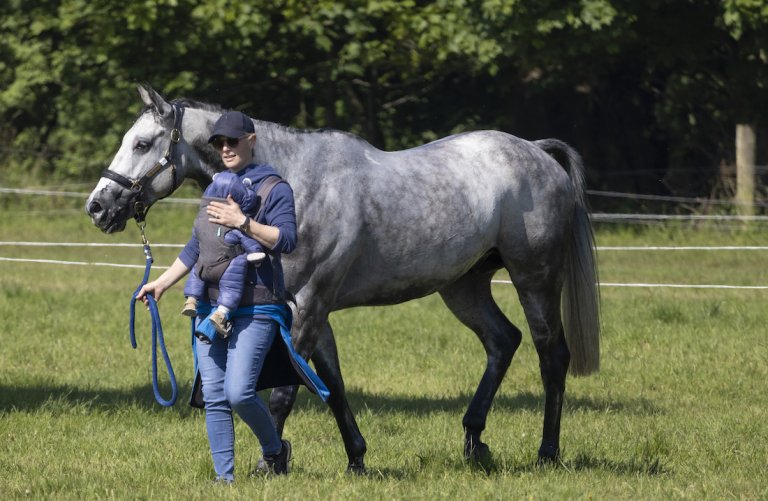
676 411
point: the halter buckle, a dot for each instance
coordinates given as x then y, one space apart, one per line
140 214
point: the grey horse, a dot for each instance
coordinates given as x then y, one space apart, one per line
380 228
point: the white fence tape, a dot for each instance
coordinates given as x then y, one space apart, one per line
686 286
684 200
683 248
596 217
84 196
600 217
599 193
602 284
81 244
665 286
77 263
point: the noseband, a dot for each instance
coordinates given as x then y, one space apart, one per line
136 186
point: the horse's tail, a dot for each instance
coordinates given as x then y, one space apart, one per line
581 294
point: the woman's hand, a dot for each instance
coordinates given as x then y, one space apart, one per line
225 213
162 283
154 287
229 214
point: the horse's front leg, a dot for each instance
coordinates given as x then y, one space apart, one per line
326 362
313 338
281 399
281 402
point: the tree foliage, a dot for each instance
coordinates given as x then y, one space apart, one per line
651 87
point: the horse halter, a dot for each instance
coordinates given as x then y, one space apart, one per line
136 186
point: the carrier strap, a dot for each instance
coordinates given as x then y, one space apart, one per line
265 188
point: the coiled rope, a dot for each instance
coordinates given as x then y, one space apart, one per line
157 329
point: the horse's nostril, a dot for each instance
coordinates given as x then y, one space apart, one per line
94 208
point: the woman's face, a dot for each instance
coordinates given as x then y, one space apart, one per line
236 153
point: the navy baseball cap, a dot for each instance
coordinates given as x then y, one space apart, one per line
232 124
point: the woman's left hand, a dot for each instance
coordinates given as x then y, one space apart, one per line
225 213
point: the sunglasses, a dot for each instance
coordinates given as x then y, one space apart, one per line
219 142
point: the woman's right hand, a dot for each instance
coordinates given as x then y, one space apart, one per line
162 283
154 287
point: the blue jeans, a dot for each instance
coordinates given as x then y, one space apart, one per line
229 369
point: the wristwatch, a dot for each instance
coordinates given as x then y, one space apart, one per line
246 225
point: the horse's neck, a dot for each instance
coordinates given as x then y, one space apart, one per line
303 157
209 162
205 169
279 146
292 152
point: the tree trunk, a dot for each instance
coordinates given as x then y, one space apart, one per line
745 168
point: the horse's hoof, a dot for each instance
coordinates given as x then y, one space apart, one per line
548 456
476 451
356 467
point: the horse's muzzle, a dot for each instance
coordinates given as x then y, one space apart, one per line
106 214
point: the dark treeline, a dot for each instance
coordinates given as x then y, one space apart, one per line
649 92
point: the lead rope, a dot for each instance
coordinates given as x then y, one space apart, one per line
157 328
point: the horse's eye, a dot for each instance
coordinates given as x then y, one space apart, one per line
141 145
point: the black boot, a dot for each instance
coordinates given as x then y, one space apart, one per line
275 464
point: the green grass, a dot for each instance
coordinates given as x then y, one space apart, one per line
677 411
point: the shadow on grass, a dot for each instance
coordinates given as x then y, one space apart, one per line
61 398
525 401
633 466
641 466
491 467
31 397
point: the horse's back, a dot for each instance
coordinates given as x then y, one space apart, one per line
405 223
490 180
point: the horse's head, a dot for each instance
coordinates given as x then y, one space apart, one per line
153 160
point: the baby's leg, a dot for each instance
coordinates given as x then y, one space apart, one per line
254 251
193 290
232 282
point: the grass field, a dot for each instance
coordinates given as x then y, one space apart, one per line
678 410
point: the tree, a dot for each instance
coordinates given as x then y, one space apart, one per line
636 90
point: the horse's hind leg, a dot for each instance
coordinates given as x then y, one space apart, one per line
541 304
471 301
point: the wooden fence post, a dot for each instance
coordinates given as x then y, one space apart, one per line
745 168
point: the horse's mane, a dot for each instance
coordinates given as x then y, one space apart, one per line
321 131
192 103
200 105
188 103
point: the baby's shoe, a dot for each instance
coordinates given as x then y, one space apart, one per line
221 323
255 257
190 307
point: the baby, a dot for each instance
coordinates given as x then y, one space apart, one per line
224 253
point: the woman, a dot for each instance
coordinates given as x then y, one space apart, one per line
229 368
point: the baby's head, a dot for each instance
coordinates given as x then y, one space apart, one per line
239 188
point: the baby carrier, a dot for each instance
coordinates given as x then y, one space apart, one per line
216 253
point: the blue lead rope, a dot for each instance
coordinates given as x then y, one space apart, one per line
157 333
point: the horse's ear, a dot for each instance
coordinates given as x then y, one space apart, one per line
151 98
